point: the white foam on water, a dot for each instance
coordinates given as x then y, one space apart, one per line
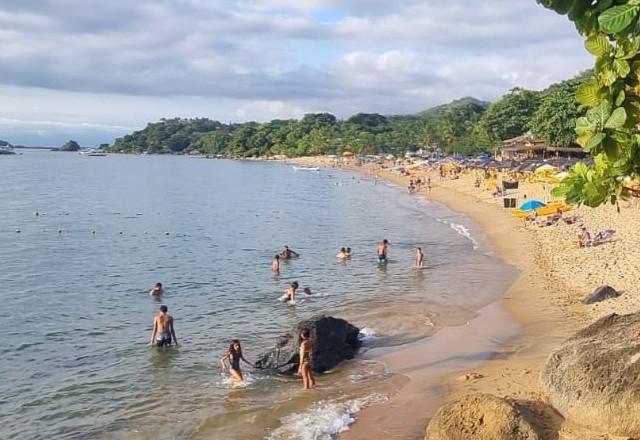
225 381
367 334
462 230
323 420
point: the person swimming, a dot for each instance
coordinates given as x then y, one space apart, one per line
163 330
275 264
156 290
290 293
307 291
234 355
288 253
348 252
342 254
382 251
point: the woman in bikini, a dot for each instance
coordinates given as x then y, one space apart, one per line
235 356
306 347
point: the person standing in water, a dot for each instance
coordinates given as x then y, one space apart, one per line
163 331
275 265
290 293
382 251
234 355
288 253
304 370
342 254
156 290
419 258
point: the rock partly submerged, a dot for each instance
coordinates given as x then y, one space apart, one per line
334 340
593 379
602 293
482 417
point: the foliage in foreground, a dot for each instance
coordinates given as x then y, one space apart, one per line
609 130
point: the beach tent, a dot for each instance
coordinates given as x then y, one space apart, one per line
531 205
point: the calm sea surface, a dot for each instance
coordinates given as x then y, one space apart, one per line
76 314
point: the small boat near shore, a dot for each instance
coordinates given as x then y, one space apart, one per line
6 149
92 153
297 168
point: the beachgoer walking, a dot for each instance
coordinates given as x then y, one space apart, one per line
275 264
288 253
304 370
156 290
419 258
234 355
382 251
163 331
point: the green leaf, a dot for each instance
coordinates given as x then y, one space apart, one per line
617 118
620 98
562 6
578 10
599 115
597 44
587 94
602 5
595 141
621 67
617 18
611 148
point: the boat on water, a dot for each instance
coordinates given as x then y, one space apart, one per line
306 168
92 153
6 149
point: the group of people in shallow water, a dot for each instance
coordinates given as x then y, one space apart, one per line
163 333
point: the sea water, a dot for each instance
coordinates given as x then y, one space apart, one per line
83 239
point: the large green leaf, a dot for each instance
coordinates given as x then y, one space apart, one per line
617 18
595 141
617 118
599 115
597 44
621 67
587 94
583 125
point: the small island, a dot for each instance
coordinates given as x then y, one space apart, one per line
70 145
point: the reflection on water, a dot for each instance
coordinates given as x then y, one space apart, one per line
77 314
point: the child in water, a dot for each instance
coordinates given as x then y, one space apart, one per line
304 370
290 293
234 355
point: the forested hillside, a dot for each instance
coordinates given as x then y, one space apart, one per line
464 126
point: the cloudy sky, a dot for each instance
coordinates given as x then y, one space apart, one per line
92 70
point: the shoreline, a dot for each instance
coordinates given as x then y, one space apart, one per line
511 364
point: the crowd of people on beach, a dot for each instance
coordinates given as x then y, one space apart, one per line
163 333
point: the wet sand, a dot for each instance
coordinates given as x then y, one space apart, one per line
492 354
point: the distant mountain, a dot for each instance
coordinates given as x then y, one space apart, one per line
467 104
5 144
70 146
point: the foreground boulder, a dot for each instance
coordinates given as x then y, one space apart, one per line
334 340
481 417
593 379
600 294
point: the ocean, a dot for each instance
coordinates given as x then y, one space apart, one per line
85 238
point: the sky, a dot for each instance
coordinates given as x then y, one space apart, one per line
95 70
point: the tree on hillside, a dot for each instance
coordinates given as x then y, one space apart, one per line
510 116
555 119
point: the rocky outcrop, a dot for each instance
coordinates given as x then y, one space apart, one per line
334 340
70 146
482 417
600 294
593 379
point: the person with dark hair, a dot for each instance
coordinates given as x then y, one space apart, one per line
342 254
306 350
382 252
288 253
163 331
290 293
275 265
348 252
419 258
234 355
157 290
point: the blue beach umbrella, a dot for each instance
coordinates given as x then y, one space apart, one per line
531 205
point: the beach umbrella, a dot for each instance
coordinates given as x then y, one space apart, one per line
531 205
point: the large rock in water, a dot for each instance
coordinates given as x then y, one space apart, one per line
334 340
593 379
482 417
600 294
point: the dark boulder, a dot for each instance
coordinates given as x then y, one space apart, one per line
334 340
600 294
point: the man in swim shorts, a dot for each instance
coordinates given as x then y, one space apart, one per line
382 251
163 330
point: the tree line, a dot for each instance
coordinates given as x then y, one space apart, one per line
464 126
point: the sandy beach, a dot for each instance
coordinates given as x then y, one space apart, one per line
545 302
